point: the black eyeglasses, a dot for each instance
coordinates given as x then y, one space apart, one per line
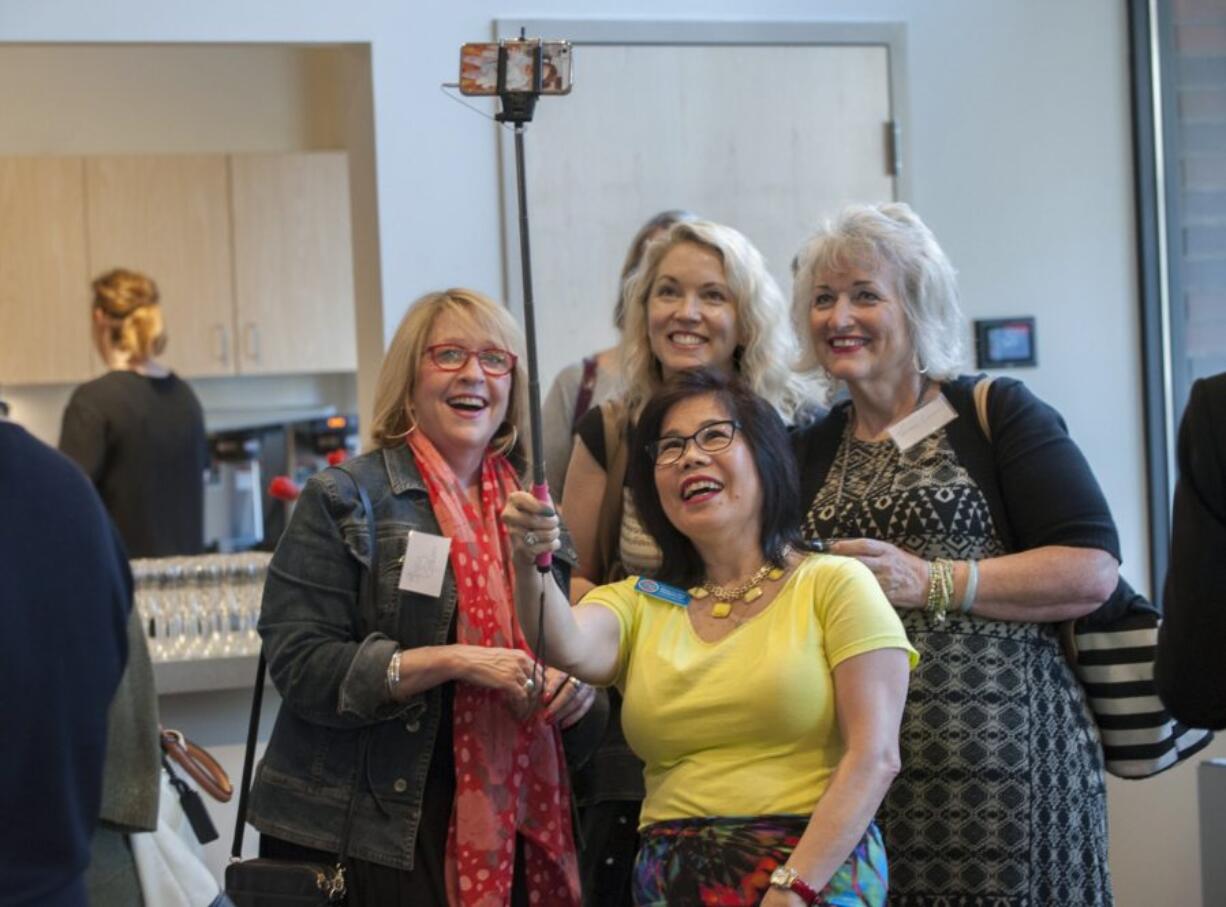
494 361
712 437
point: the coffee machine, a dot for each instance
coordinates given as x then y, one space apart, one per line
233 493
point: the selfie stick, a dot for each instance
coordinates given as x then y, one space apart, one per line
517 109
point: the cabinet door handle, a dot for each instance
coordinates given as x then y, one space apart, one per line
223 343
251 332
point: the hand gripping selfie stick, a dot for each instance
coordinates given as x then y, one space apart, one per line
517 109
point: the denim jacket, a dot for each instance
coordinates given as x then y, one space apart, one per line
328 650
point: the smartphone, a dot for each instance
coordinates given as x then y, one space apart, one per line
479 67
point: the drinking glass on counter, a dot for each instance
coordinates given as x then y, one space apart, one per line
206 606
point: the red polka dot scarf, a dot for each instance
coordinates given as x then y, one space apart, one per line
510 776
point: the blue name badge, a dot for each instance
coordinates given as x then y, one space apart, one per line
662 591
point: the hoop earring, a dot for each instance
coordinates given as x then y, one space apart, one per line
411 419
506 445
919 366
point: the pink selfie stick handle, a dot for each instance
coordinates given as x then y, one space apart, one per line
541 493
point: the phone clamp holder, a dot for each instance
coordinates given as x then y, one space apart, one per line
518 106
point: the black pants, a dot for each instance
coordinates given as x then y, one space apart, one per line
372 885
610 844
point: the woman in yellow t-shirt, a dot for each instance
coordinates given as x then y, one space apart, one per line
763 685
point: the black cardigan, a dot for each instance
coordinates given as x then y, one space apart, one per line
1038 486
1191 671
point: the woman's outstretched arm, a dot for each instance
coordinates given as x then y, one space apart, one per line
582 641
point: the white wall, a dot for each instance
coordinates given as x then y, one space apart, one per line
1021 163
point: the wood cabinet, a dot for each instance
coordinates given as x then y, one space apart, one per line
251 253
293 263
44 292
169 217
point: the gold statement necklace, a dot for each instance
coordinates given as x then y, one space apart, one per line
748 591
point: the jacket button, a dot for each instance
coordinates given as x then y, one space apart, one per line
413 726
400 785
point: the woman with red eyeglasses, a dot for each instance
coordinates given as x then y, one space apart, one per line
415 738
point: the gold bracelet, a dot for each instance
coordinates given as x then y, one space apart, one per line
940 587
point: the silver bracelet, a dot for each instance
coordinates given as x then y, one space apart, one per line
393 674
972 586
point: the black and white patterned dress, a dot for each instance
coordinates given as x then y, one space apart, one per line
1001 800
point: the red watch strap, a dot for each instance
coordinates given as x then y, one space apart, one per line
805 890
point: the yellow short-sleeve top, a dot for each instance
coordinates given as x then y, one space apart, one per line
745 726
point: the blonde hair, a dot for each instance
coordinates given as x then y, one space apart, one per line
129 301
634 255
398 374
768 349
870 235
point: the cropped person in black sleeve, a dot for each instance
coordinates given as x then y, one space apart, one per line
983 540
138 430
1190 670
64 601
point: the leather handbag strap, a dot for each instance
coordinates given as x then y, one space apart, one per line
253 725
587 387
199 764
982 386
615 422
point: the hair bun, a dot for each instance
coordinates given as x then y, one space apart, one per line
120 292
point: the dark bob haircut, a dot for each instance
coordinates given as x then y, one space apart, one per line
761 428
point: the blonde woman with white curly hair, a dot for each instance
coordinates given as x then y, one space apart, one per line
701 298
985 528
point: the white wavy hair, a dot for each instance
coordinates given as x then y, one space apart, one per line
768 350
866 236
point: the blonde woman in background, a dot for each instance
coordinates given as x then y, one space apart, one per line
595 378
138 433
701 298
138 430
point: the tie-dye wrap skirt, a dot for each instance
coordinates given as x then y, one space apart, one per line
728 861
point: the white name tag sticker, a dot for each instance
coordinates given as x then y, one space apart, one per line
425 563
921 423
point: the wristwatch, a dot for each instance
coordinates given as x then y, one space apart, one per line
789 879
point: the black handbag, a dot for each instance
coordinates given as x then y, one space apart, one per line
262 882
1112 654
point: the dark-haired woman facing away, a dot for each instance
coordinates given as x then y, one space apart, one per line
766 700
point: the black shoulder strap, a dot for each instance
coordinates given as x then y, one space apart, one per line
257 698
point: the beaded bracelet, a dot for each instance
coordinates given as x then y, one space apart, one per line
393 674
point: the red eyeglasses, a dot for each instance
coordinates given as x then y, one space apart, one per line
494 361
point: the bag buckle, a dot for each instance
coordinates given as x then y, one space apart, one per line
333 886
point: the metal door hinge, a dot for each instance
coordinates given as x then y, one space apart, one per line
893 145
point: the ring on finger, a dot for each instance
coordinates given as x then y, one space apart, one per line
530 539
576 683
529 686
